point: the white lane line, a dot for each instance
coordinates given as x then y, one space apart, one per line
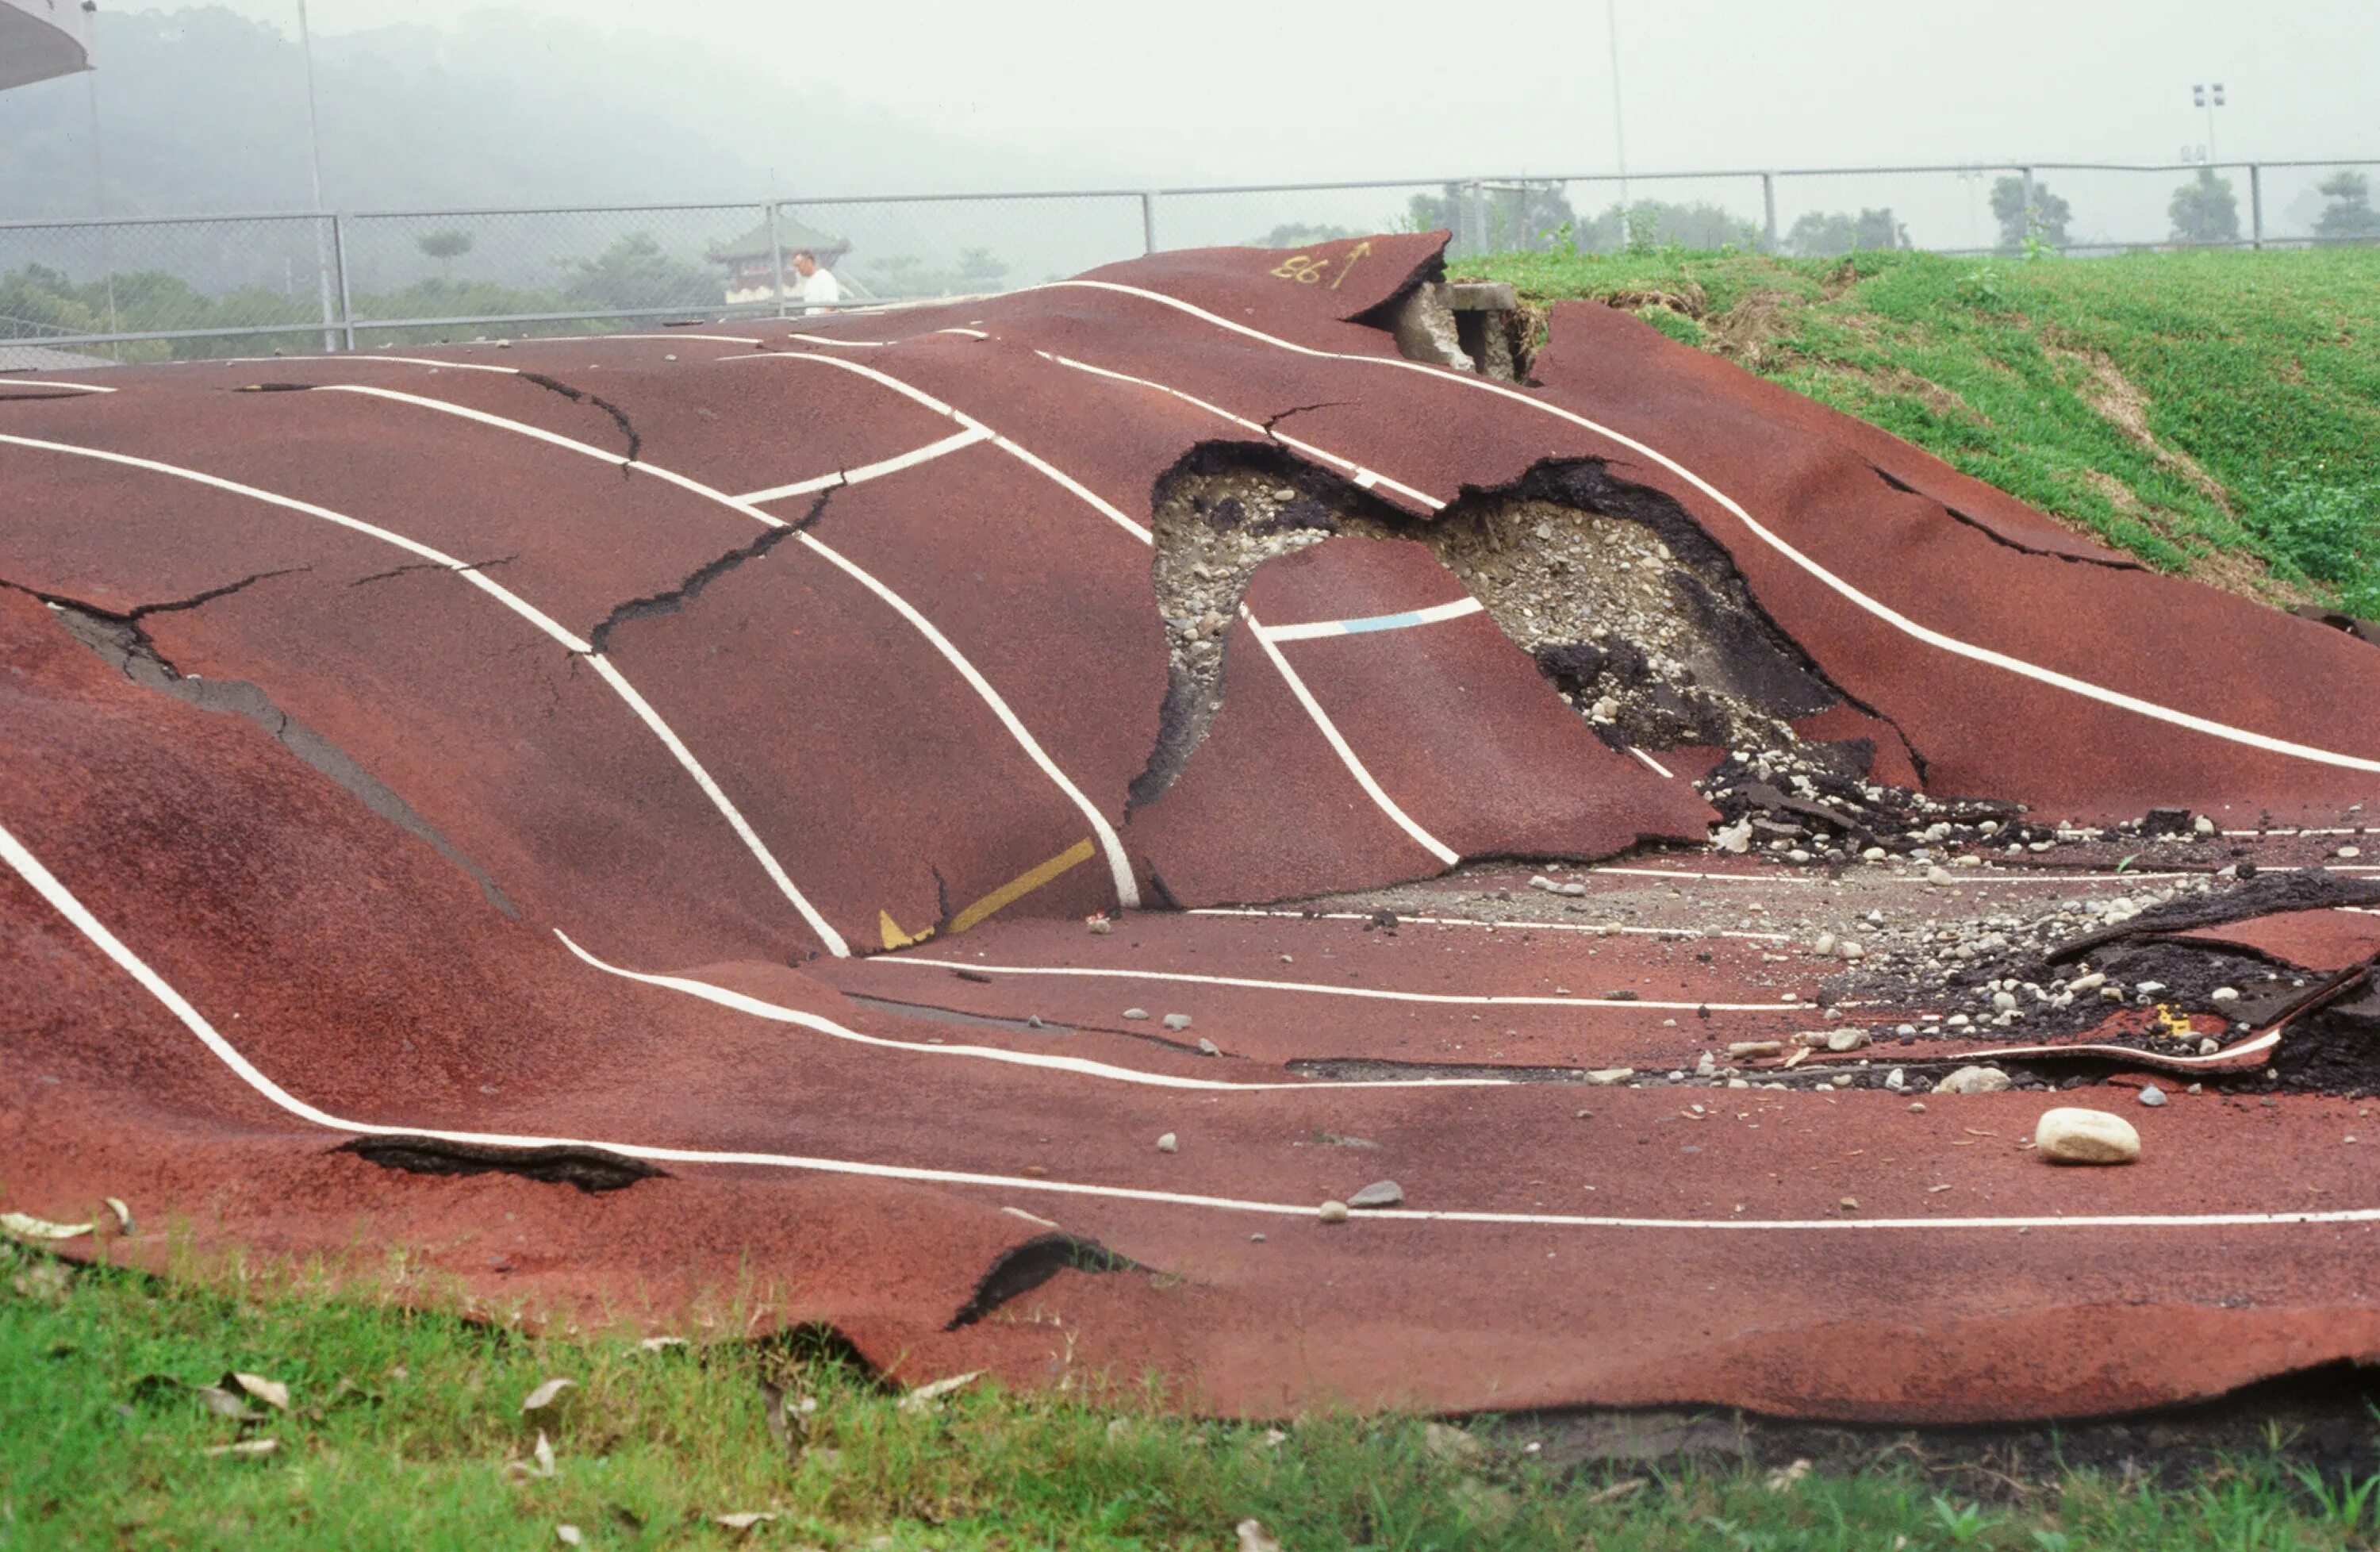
70 387
867 472
1119 866
1876 607
1366 625
535 616
2281 835
1449 999
597 339
1367 478
374 356
1355 766
1658 769
1081 1066
1595 929
46 884
1445 853
1963 878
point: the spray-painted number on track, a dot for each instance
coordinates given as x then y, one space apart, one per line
1306 270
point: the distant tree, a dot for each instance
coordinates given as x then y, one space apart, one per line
634 273
1821 234
444 247
978 271
2044 223
2204 210
899 274
1657 223
1300 234
1528 215
2350 215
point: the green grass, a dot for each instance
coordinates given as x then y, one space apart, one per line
403 1430
2259 374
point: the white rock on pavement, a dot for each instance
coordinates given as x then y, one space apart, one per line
2069 1135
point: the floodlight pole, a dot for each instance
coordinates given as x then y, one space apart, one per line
314 160
1619 124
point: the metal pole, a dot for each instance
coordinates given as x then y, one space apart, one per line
2255 207
1769 207
1478 216
99 197
1147 223
2026 172
777 257
1618 124
314 154
346 298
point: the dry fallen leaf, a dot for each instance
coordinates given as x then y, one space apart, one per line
924 1397
568 1535
25 1226
123 1213
271 1392
1254 1539
545 1395
544 1466
745 1520
1617 1490
1784 1477
246 1449
655 1344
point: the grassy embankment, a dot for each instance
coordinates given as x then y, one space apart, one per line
403 1429
2218 414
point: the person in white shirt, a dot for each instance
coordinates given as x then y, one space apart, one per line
820 291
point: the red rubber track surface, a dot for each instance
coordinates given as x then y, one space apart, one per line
218 964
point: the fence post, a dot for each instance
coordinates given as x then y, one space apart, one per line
346 297
2255 207
777 258
322 284
1148 221
1769 207
2026 174
1478 222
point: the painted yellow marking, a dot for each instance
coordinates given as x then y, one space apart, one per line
1017 889
1354 253
1303 267
894 937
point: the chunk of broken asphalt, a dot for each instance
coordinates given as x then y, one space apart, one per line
1379 1193
1177 1022
1974 1080
2071 1136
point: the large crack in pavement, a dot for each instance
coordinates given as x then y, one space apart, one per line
672 600
580 396
118 638
1639 618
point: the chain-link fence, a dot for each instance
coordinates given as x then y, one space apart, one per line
148 288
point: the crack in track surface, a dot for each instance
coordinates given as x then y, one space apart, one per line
118 638
1022 1268
1996 535
670 600
435 565
591 1170
580 396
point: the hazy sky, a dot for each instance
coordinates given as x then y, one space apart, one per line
1233 90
